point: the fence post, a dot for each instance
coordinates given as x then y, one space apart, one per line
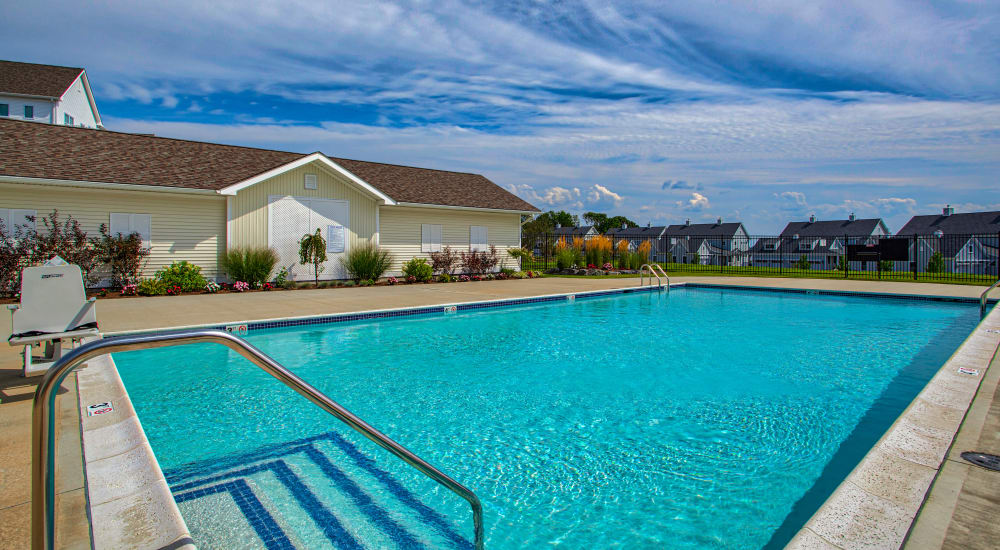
915 260
847 261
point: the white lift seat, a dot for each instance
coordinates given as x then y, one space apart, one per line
54 310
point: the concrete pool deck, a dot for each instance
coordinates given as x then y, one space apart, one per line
164 312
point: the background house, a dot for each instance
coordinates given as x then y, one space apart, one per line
637 235
968 242
194 200
708 243
47 93
821 242
585 232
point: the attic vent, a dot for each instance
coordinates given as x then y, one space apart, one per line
311 181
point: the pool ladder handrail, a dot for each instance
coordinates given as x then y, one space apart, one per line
43 421
982 299
653 273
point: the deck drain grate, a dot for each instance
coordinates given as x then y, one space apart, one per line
990 462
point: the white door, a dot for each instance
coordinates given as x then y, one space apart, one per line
290 218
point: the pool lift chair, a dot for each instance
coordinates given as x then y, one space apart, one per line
54 311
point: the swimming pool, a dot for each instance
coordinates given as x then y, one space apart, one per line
698 418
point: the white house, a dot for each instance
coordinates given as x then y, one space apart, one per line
47 93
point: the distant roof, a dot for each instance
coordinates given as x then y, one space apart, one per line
577 230
38 80
632 232
832 228
704 229
80 154
968 223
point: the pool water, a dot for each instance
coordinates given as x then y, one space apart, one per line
702 418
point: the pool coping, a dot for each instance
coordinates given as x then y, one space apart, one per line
151 492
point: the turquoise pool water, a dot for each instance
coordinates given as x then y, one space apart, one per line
701 418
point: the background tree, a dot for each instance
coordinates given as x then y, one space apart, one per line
936 263
312 251
803 262
602 223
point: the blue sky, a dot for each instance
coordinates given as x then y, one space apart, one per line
760 111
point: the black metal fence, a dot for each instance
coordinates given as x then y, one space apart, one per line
946 258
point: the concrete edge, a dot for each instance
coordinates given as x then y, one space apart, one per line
876 505
129 502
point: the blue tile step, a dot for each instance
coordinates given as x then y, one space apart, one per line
317 492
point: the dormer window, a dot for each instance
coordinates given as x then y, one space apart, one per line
771 245
807 245
29 111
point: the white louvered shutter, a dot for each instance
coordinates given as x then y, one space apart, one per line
477 238
425 237
120 224
142 224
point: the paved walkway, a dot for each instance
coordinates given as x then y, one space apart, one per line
164 312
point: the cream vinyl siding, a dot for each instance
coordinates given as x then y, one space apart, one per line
248 209
400 230
183 227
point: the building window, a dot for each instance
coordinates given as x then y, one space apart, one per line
12 218
477 238
67 120
126 224
430 238
29 111
4 109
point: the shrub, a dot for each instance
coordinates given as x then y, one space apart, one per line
517 275
565 258
445 261
598 250
481 261
211 287
463 278
366 282
182 274
519 254
418 269
392 280
935 264
506 271
14 256
173 290
607 266
367 261
64 239
123 255
803 262
312 251
842 263
130 290
150 287
241 286
886 266
445 278
251 265
282 277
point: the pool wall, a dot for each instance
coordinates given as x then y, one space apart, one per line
873 507
877 503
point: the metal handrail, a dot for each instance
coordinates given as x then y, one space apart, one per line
653 273
982 298
663 272
43 421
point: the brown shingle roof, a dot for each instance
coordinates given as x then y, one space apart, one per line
33 150
428 186
32 79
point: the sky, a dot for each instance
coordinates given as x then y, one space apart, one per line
761 112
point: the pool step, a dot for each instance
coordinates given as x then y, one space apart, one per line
317 492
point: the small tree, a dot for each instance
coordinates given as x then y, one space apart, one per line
312 251
519 255
445 261
803 263
14 256
885 266
124 256
696 258
936 263
65 239
842 263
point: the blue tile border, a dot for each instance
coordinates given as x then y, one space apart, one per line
828 292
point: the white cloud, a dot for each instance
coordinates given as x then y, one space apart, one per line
600 196
797 199
697 202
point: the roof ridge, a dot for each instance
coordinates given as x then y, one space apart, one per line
148 136
41 65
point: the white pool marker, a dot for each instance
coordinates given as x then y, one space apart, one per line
966 370
993 330
239 330
100 408
571 297
450 309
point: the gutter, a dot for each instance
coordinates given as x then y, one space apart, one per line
447 207
107 185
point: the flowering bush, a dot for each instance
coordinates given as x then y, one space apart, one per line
463 278
392 280
477 278
129 290
531 274
240 286
212 287
411 279
267 286
591 266
174 290
502 276
607 266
